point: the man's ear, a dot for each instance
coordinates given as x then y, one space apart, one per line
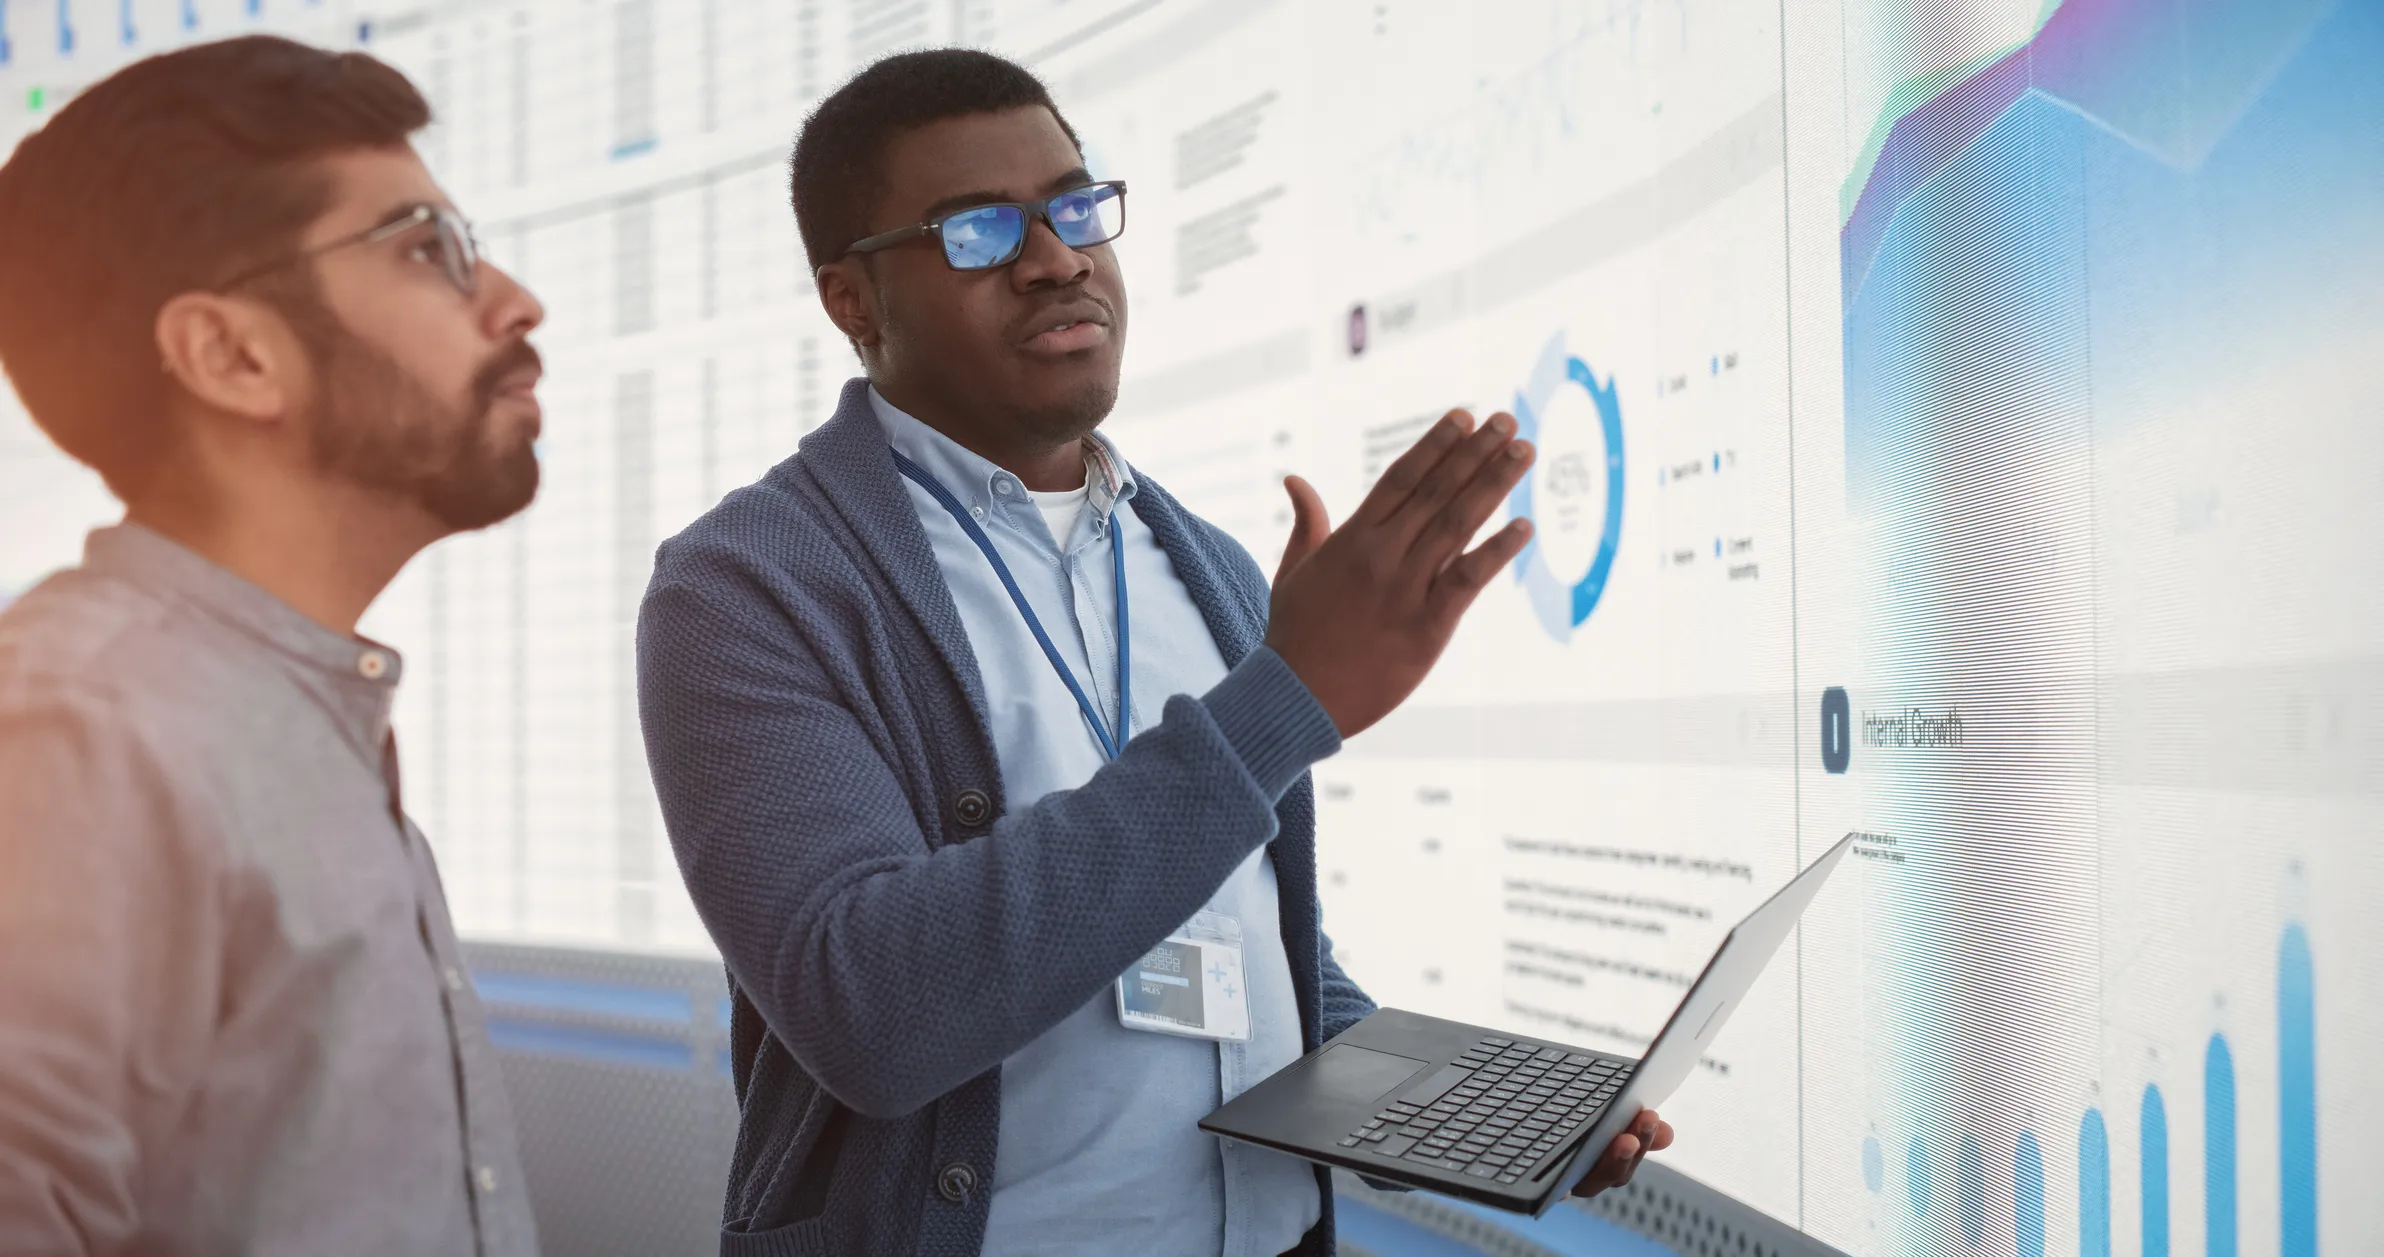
850 301
236 356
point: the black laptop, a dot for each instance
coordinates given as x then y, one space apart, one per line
1503 1119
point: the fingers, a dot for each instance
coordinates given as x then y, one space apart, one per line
1652 1134
1450 478
1613 1168
1620 1162
1640 1134
1310 525
1454 589
1400 480
1458 514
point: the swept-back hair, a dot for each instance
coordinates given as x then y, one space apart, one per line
169 176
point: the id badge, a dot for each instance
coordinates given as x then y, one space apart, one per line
1191 984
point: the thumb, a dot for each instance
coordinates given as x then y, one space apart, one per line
1309 524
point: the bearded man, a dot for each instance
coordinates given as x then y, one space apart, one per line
233 1014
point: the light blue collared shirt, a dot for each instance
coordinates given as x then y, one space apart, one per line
1100 1151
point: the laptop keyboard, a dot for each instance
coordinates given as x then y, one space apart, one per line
1495 1112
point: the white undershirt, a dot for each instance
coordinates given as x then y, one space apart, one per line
1062 509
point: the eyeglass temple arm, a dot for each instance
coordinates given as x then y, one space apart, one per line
412 218
888 239
371 235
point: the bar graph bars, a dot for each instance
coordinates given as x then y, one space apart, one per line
2297 1097
2028 1197
2218 1149
2153 1159
2221 1205
2094 1186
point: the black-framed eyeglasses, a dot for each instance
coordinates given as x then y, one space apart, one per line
457 249
983 237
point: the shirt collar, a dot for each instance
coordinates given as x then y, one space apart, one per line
976 480
358 675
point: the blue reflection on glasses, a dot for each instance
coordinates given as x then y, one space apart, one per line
1076 216
990 235
987 236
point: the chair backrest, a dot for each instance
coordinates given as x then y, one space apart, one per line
618 1070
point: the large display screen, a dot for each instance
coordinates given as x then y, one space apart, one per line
1959 425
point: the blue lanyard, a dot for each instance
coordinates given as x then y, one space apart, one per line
1111 744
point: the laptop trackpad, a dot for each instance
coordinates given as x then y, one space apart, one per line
1359 1076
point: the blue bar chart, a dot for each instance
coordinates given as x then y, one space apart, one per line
2160 1161
2154 1160
2094 1186
2297 1097
2028 1197
2296 1134
2218 1149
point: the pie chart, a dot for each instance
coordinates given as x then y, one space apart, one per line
1573 496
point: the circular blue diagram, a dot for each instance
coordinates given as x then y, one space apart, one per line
1573 495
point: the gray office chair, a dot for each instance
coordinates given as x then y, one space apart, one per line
618 1068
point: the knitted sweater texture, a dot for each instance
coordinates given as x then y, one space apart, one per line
893 927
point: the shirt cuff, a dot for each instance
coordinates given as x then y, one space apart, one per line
1271 720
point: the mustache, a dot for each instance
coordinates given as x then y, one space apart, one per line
1075 296
517 356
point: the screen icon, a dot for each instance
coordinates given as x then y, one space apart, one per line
1837 729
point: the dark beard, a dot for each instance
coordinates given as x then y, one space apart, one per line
376 426
1063 422
1070 420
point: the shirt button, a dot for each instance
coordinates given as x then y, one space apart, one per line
1004 485
956 1182
453 977
972 808
977 511
372 665
485 1178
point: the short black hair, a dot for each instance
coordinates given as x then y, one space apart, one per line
167 177
839 166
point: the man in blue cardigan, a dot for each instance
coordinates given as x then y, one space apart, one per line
890 699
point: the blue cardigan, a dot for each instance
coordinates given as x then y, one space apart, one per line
894 928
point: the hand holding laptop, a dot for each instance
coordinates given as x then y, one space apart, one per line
1503 1119
1649 1133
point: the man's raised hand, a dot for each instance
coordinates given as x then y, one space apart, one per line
1361 612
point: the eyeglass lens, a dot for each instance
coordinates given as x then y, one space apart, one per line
990 235
1088 216
458 252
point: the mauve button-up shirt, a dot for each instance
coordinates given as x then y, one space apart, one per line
233 1015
